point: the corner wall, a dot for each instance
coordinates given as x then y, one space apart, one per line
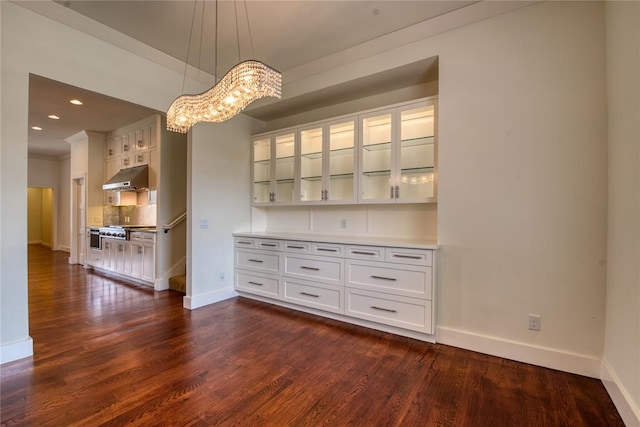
218 195
621 366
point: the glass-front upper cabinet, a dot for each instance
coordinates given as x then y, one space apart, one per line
398 154
327 162
273 168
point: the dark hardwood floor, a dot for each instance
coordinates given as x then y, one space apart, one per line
108 352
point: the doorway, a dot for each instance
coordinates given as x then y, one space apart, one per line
78 221
41 216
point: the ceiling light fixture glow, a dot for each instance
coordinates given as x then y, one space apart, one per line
244 83
76 102
36 128
53 117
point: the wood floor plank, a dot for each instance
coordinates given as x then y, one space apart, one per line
110 352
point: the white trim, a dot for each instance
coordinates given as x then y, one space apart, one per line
34 242
16 350
64 248
629 412
197 301
581 364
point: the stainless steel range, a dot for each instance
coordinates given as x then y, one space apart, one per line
121 232
113 232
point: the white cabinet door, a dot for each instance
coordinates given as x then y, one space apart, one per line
398 154
148 263
328 162
137 253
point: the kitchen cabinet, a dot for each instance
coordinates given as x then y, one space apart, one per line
273 164
328 162
134 258
383 286
143 256
113 147
397 154
385 155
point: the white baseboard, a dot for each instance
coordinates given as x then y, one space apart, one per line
629 412
197 301
574 363
34 242
46 245
16 350
64 248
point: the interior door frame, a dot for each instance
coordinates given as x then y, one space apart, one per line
75 221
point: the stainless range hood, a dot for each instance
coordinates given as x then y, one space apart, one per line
130 179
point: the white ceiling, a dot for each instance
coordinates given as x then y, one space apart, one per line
285 35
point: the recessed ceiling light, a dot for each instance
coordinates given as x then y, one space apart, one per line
36 128
53 117
76 102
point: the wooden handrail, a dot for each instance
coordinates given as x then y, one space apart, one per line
172 224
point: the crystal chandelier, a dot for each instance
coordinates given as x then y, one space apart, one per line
244 83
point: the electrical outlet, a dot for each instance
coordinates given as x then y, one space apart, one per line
343 223
204 224
221 276
534 322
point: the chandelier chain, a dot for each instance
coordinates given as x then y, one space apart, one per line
186 61
246 14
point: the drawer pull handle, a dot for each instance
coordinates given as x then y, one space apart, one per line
388 310
295 247
271 245
363 253
327 250
256 283
384 278
407 256
310 295
304 267
255 260
243 243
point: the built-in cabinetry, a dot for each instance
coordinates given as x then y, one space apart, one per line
385 155
133 258
383 286
134 145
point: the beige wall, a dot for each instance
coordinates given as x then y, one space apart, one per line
34 215
622 343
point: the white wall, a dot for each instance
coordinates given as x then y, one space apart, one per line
621 367
218 201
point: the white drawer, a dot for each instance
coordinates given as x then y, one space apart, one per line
269 245
258 260
373 253
325 297
326 269
397 311
245 242
327 249
410 281
410 256
259 285
296 247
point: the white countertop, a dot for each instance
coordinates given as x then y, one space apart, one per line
345 239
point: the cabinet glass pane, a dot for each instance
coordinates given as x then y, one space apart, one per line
261 170
311 164
376 157
416 153
341 161
284 167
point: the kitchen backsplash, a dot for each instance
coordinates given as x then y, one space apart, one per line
129 215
